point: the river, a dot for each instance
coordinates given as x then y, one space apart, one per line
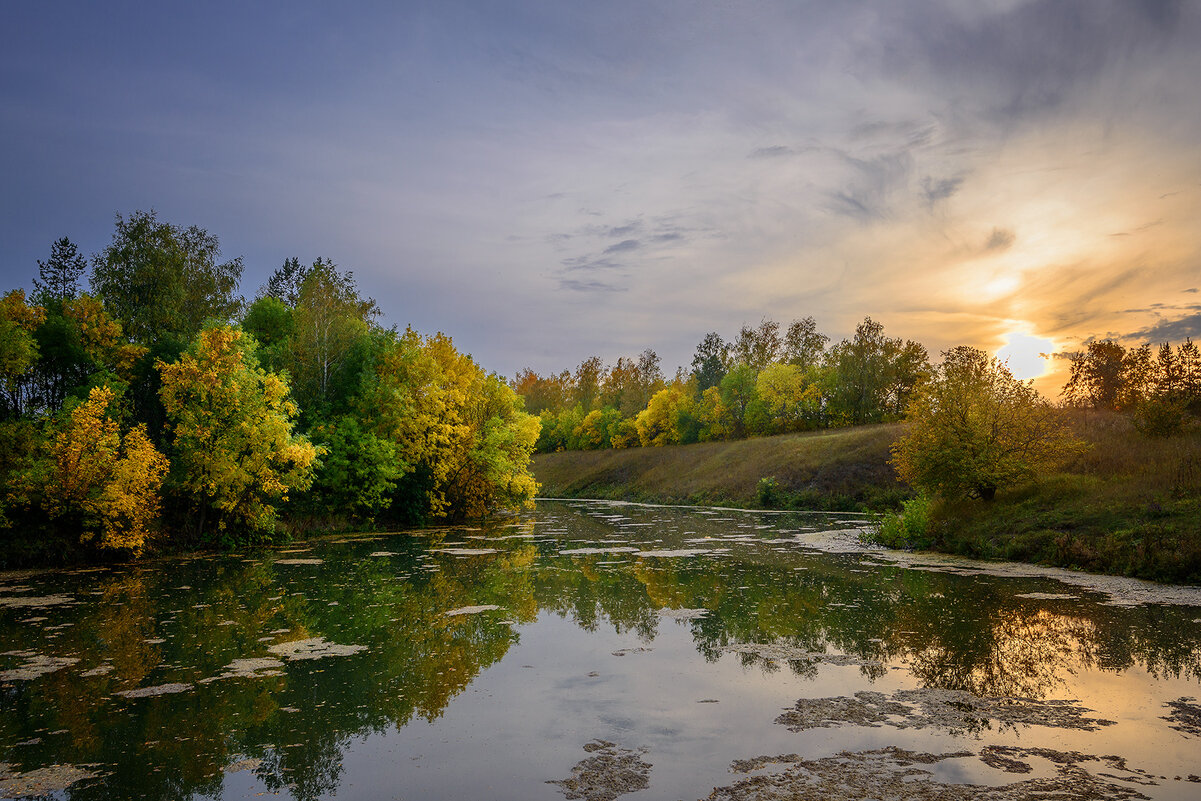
597 650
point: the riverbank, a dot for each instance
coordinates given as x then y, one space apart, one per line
839 470
1131 505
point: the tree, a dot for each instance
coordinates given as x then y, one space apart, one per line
758 347
95 480
284 284
163 281
18 351
461 433
711 361
232 426
861 366
589 377
804 344
329 319
974 429
58 277
1098 376
789 399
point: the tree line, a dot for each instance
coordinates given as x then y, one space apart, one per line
767 380
160 405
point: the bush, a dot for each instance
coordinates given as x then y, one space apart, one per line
769 492
909 528
1160 417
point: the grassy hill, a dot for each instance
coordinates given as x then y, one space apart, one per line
844 469
1131 505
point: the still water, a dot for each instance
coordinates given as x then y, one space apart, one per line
597 650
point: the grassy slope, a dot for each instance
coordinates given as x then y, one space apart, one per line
1131 505
841 469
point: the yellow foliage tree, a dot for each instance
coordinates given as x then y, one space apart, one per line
788 395
232 422
656 424
463 430
110 483
974 429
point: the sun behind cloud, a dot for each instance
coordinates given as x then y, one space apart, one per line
1026 354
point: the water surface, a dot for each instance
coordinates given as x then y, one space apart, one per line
590 650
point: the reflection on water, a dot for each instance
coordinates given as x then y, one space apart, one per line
479 661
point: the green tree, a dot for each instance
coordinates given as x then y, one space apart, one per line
1098 376
163 281
804 345
758 347
270 322
329 320
236 454
18 352
58 276
711 361
974 429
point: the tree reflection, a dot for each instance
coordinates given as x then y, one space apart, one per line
185 621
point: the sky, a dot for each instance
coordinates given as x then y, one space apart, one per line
548 181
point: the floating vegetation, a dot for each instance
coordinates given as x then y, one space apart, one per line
465 551
591 551
35 601
299 561
34 665
683 614
673 552
42 781
953 710
1186 716
377 554
99 670
897 773
158 689
625 651
253 668
610 772
788 653
312 648
471 610
243 764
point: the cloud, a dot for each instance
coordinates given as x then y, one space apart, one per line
935 191
867 197
1001 239
589 263
625 246
574 285
773 152
1176 330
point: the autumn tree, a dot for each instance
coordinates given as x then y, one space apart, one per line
464 439
236 454
974 429
96 481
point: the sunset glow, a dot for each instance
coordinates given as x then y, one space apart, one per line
561 182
